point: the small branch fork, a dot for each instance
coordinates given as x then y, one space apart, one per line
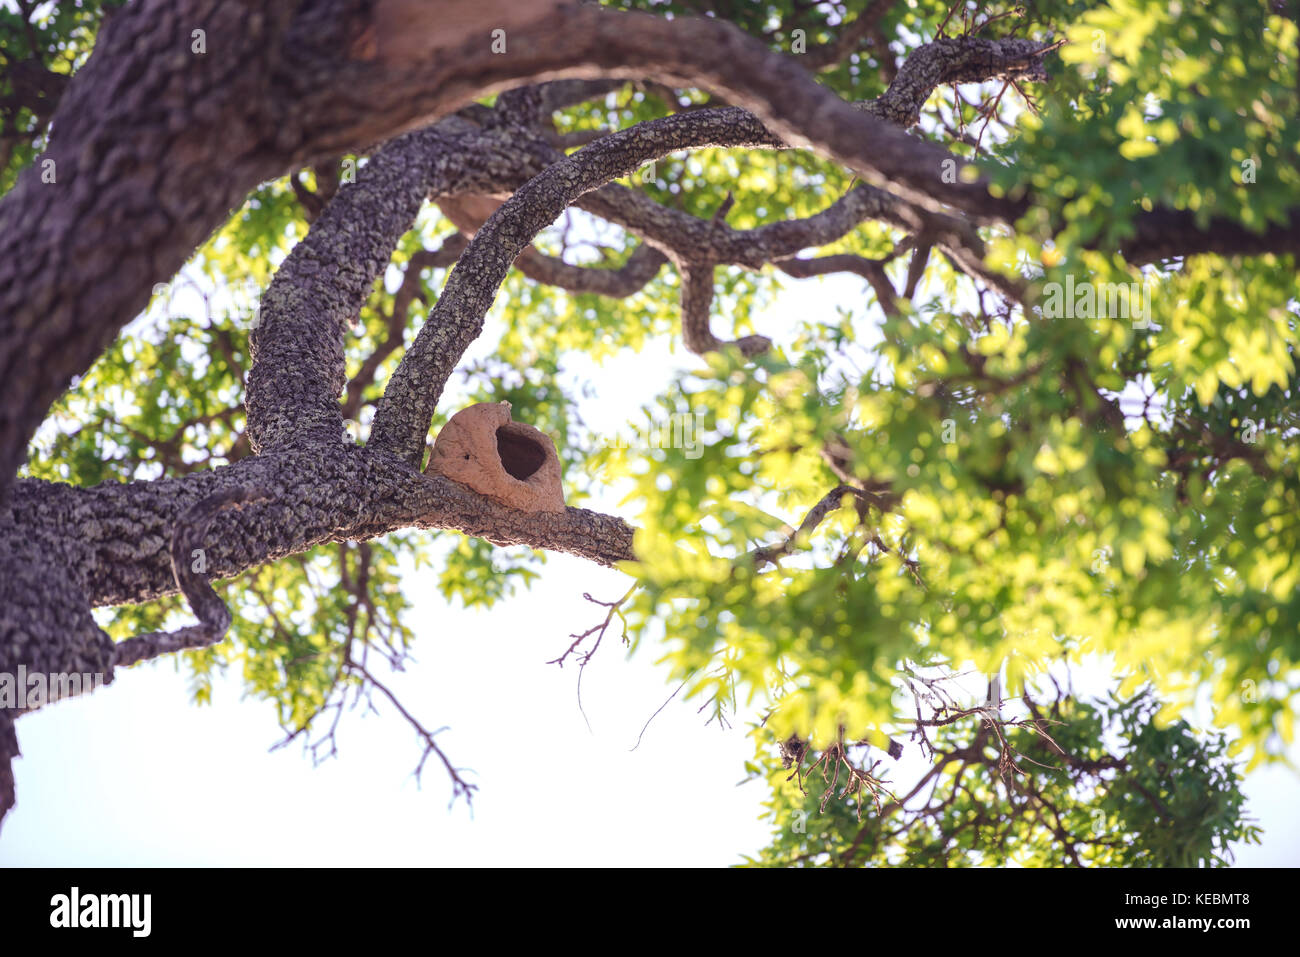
943 712
327 745
459 786
189 562
599 629
861 780
362 618
1003 760
829 502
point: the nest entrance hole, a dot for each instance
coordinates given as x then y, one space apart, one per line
520 455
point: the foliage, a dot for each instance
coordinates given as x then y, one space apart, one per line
1054 491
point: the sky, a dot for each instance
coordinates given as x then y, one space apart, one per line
136 774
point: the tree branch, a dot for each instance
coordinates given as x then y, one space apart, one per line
188 563
828 503
297 346
955 60
697 300
114 539
1169 233
341 73
641 267
872 270
403 416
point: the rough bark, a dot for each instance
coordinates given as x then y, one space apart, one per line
114 539
697 302
189 571
403 416
138 185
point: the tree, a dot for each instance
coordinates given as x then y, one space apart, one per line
1061 430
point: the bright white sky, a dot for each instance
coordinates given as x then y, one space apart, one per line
135 774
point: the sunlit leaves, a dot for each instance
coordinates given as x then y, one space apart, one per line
1006 492
1192 105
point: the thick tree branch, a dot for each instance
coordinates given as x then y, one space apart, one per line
697 300
1168 233
955 60
872 270
587 42
188 563
297 83
8 751
403 416
297 345
641 267
114 539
